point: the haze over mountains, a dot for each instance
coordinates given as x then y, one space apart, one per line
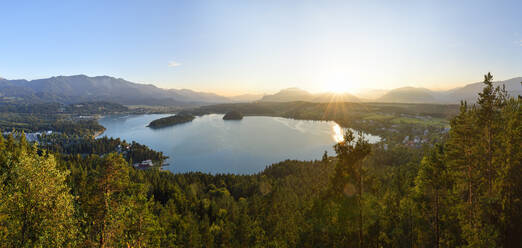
81 88
467 93
296 94
398 95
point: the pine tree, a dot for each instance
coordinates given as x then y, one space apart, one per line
325 157
477 156
462 156
490 102
510 174
489 121
106 205
433 182
349 171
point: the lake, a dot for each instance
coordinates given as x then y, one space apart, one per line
212 145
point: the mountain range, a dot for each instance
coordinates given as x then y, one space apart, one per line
468 93
81 88
399 95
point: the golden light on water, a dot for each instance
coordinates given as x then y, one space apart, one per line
338 133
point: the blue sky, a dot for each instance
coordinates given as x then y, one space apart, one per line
234 47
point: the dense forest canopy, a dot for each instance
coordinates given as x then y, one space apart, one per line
462 191
78 119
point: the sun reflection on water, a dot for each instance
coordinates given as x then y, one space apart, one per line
338 133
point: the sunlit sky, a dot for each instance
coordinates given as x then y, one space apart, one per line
234 47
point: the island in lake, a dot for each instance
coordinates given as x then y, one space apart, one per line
233 115
170 121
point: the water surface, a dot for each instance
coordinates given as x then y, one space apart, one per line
210 144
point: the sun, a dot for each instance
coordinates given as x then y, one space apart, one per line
339 87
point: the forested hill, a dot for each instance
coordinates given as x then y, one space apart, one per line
465 191
170 121
81 88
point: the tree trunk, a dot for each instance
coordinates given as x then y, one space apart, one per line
470 195
489 158
411 228
437 230
361 241
470 188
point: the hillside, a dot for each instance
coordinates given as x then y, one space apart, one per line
246 97
398 95
296 94
408 186
408 95
81 88
288 95
468 93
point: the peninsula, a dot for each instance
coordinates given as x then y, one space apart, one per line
170 121
233 115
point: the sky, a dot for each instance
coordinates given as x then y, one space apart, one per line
236 47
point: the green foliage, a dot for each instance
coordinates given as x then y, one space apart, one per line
36 207
56 117
462 192
132 152
43 122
